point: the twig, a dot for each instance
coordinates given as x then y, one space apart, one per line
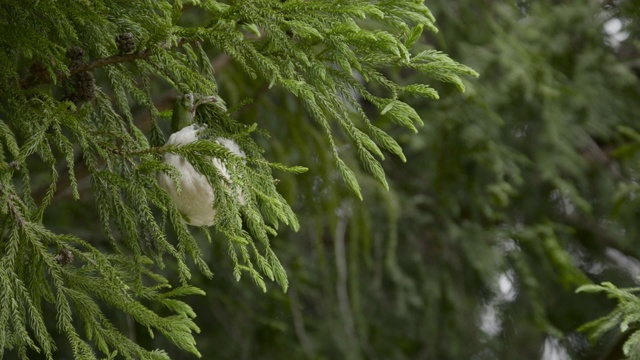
166 101
341 269
10 165
342 290
298 323
594 154
30 81
602 236
13 210
131 328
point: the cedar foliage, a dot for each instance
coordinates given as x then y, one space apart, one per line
71 80
528 178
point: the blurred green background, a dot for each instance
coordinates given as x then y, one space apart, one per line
514 194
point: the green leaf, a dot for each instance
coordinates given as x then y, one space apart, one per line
414 35
387 108
387 142
349 178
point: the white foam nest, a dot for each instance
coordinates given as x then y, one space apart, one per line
196 196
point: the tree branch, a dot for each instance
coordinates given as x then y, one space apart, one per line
142 122
14 212
602 237
298 323
30 81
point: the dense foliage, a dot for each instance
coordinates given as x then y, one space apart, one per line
96 258
510 232
514 195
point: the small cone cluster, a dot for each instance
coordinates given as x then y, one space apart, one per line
126 43
64 257
83 83
39 71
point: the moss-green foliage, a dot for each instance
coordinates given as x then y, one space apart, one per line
624 317
518 178
326 53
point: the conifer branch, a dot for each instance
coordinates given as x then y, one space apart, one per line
31 81
603 237
307 50
13 209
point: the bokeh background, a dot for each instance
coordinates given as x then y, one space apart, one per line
514 194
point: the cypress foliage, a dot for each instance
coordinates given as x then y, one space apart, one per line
71 78
514 194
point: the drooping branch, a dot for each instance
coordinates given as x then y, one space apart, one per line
602 237
31 81
141 121
14 212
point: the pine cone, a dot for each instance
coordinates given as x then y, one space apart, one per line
64 257
125 42
39 71
75 53
84 86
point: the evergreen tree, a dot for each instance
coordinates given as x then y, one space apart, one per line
514 195
96 256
